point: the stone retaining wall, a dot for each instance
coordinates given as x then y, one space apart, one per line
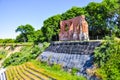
73 47
71 55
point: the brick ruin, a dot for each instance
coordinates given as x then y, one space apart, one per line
74 29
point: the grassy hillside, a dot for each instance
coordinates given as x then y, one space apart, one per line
38 71
18 66
25 54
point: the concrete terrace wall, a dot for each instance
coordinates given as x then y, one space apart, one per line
71 54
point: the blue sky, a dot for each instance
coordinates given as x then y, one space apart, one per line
20 12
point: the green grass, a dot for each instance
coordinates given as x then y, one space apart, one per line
3 54
33 68
56 71
17 44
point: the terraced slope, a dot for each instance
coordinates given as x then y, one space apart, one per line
26 72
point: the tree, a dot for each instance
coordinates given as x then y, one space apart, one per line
73 12
96 19
7 40
51 28
25 31
39 36
101 17
19 38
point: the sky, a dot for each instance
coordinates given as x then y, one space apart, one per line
14 13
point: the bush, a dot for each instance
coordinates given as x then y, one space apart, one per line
111 70
35 51
56 67
74 71
12 60
107 56
109 46
3 54
7 40
26 54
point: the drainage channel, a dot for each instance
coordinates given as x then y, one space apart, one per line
2 74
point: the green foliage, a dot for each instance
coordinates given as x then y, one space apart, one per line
116 31
74 71
101 17
107 56
7 40
108 47
19 38
16 44
96 18
39 70
3 54
56 71
39 37
26 54
35 51
45 44
111 70
51 28
27 32
57 67
17 58
13 46
73 12
13 60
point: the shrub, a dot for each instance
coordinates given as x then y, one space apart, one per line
74 71
111 70
26 54
109 46
56 67
3 54
107 56
7 40
12 60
